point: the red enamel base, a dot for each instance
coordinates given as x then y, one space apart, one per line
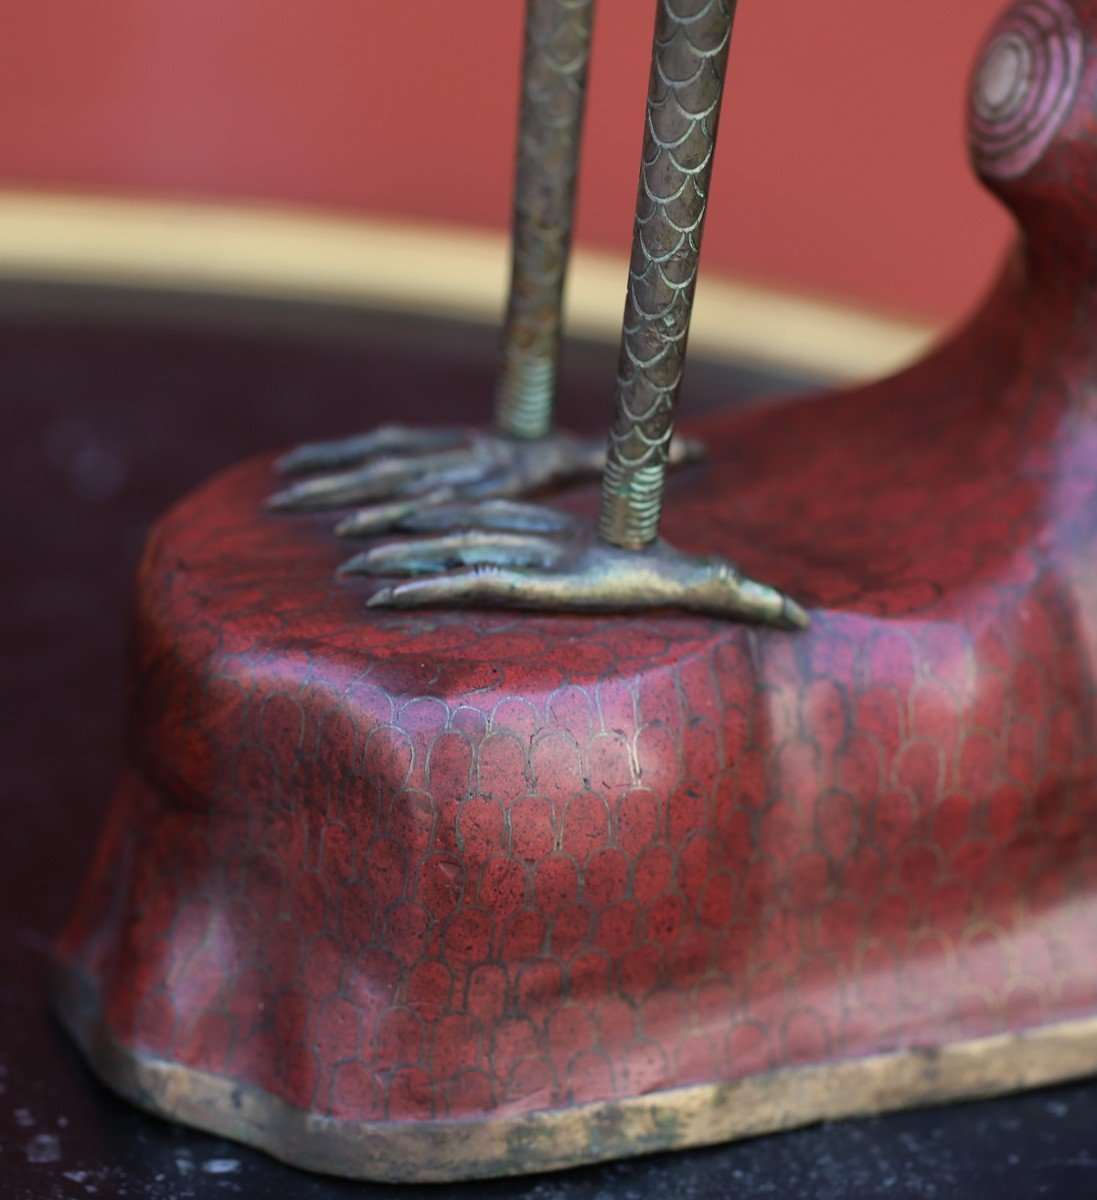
389 867
393 866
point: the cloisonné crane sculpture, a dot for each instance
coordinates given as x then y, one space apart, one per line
454 488
461 897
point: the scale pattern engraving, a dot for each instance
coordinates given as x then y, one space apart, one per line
557 52
413 866
689 61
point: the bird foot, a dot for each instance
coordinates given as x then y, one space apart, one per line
396 470
500 553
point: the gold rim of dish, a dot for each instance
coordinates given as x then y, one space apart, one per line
275 252
433 1151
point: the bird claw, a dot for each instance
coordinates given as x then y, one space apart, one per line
437 512
529 557
385 439
393 475
395 471
473 547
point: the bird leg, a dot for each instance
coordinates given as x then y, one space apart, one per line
550 127
396 466
514 557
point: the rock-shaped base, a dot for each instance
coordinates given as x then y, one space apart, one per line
442 894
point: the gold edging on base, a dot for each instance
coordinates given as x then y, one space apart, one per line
433 1151
292 254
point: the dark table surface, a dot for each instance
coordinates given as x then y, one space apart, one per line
114 404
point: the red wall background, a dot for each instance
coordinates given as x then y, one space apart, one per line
841 170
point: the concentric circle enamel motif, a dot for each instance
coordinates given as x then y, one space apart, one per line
1023 87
